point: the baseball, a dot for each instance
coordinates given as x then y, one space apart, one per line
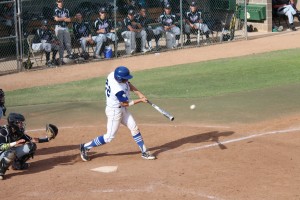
192 107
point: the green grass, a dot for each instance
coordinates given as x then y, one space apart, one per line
204 79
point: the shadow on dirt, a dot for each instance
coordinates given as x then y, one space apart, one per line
37 166
202 137
212 136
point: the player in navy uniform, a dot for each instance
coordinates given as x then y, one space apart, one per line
2 102
62 18
105 30
45 40
132 31
16 147
168 20
82 32
143 20
193 21
286 7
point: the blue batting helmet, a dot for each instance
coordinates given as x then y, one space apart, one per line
122 73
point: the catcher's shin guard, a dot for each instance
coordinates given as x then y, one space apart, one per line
20 163
5 163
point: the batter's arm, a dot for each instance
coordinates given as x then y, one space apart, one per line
137 92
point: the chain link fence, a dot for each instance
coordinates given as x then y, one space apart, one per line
39 34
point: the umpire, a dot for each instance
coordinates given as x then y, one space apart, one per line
62 18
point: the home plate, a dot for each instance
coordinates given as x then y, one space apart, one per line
105 169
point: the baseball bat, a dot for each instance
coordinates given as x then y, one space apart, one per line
163 112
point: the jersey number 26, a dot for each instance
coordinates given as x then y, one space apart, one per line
107 89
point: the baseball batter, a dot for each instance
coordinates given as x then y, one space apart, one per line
117 90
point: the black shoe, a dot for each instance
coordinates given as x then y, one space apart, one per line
148 156
293 28
71 56
49 63
83 153
61 62
188 42
17 165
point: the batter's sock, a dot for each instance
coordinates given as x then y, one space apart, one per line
94 143
140 142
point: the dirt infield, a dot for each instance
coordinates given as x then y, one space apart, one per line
199 157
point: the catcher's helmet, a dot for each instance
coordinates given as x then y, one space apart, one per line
17 122
2 97
122 73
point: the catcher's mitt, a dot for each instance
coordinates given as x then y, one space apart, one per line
51 131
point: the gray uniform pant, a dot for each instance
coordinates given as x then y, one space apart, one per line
175 30
101 38
130 40
64 37
202 27
14 152
287 10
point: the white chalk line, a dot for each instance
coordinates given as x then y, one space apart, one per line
152 188
241 138
104 125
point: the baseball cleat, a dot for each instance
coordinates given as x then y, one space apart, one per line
145 50
83 153
148 156
17 165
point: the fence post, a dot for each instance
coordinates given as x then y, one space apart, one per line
116 32
181 26
17 38
245 17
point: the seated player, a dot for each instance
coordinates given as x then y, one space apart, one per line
82 32
7 17
285 7
193 21
168 21
45 40
104 29
143 20
132 31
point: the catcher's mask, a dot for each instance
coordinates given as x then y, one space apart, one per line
17 123
2 97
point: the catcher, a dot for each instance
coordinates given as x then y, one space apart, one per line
16 147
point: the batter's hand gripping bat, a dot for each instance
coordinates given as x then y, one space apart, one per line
165 113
